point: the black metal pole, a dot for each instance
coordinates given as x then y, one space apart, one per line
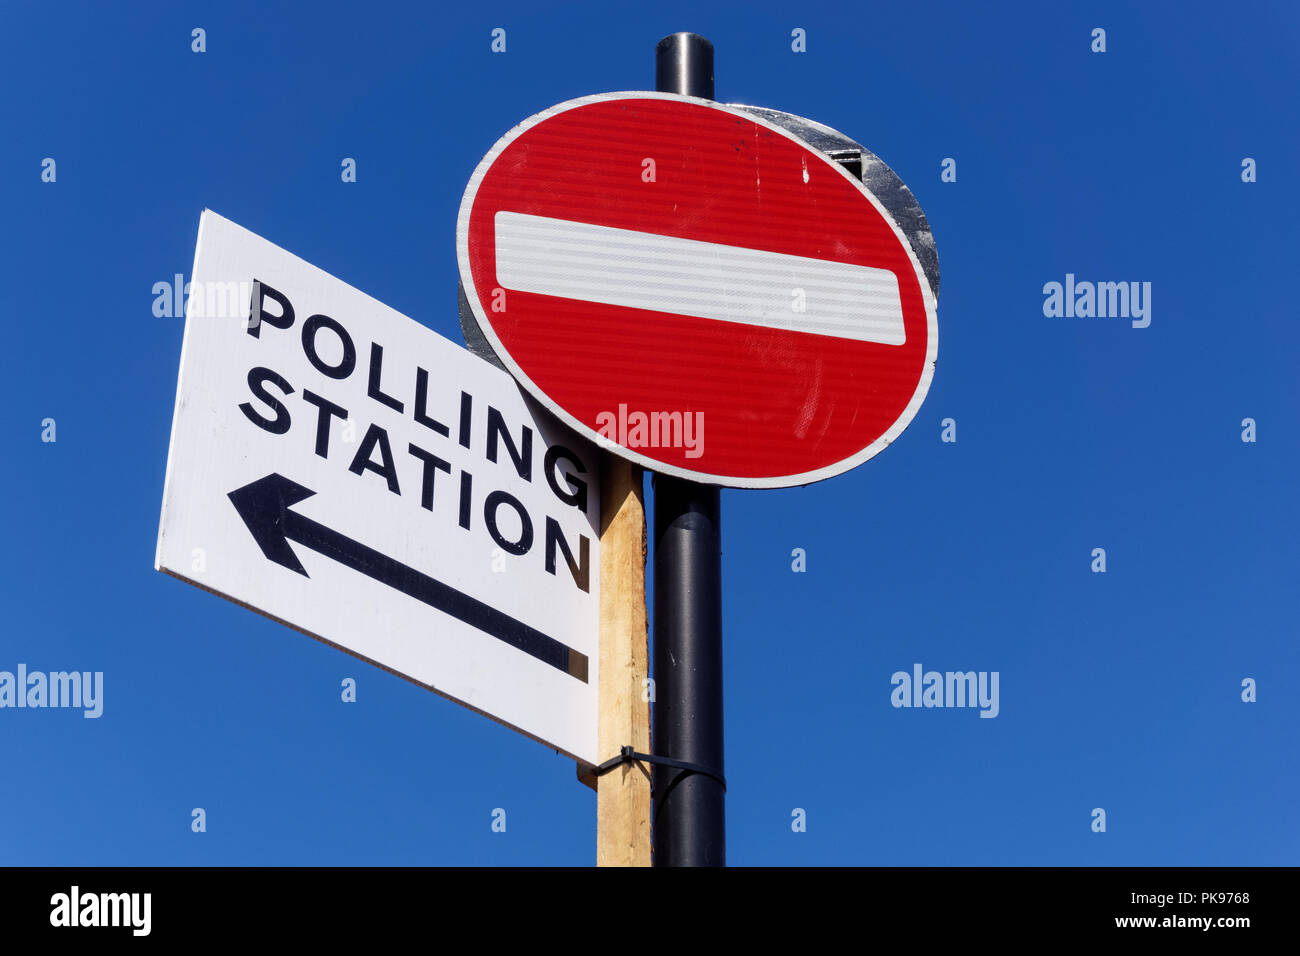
684 64
689 806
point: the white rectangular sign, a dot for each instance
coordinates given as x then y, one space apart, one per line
342 469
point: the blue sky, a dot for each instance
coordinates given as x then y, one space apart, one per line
1119 690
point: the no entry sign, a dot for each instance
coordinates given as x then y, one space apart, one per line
698 286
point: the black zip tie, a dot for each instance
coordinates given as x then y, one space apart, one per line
628 755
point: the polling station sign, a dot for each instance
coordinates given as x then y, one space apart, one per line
348 472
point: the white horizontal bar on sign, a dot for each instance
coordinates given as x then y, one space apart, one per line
709 280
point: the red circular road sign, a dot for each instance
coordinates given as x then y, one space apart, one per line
697 288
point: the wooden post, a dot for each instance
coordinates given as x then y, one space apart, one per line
623 793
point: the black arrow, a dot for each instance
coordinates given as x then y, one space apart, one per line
264 505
